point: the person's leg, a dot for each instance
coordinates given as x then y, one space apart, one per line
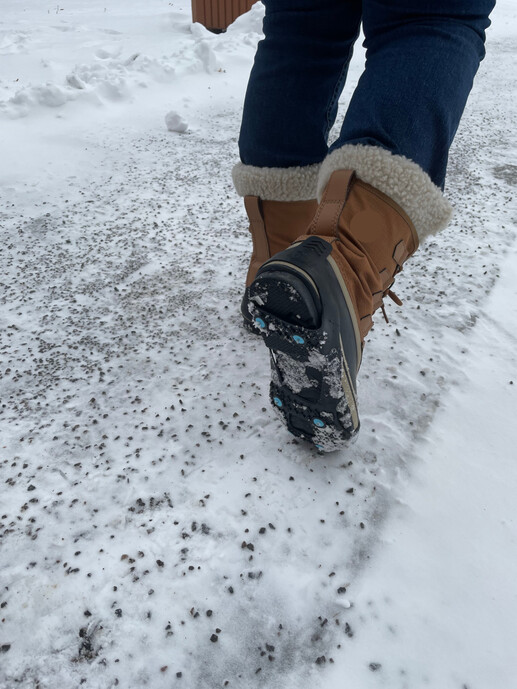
291 101
420 64
421 60
291 104
380 189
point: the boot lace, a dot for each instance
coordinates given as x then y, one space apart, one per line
393 297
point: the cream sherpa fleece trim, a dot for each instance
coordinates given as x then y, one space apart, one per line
396 176
276 183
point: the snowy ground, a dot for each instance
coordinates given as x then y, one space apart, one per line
158 526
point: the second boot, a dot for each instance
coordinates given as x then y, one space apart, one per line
274 226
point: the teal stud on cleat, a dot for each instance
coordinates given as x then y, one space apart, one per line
298 339
260 322
278 402
319 423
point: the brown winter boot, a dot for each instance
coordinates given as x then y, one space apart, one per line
274 225
371 238
313 304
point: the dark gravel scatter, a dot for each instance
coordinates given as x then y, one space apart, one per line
116 313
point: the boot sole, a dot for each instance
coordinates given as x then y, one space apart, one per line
300 305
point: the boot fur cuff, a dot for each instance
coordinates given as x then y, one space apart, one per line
276 183
396 176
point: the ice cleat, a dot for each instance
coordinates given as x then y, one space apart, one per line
300 305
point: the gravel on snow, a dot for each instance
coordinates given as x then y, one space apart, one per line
158 527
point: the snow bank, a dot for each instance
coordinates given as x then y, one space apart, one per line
115 65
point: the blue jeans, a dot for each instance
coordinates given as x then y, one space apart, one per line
421 58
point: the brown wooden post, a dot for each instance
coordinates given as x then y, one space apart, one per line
217 15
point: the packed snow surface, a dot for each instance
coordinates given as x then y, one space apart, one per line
158 526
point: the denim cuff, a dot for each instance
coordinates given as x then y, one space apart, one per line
396 176
276 183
